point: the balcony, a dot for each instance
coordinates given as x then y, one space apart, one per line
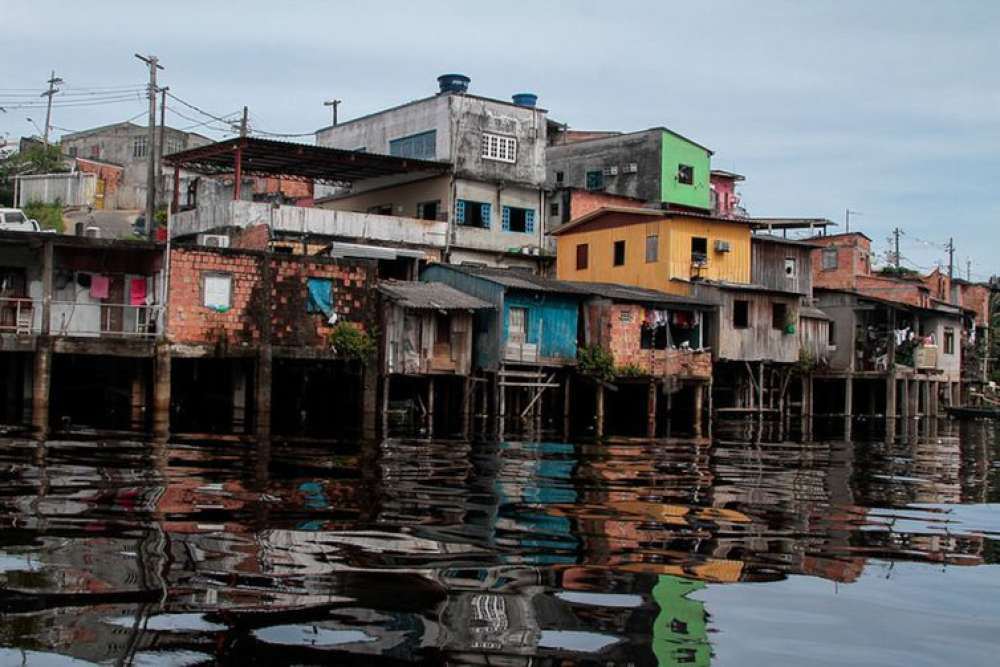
19 316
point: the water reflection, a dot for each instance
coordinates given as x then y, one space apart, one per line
427 551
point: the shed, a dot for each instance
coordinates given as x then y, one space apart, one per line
428 328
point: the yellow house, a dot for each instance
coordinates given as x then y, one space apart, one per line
654 249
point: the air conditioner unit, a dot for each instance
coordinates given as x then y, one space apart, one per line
92 232
722 246
213 240
632 168
611 171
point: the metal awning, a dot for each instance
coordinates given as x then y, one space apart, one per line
359 250
268 158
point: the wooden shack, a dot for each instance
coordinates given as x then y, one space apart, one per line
427 346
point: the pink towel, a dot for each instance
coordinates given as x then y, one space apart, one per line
137 292
99 286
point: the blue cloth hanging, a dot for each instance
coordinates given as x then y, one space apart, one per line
320 296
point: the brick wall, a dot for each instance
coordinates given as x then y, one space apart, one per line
853 253
255 237
893 289
977 297
191 322
623 338
583 202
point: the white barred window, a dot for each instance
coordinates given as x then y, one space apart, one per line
497 147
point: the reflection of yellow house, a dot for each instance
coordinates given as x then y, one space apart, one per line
654 249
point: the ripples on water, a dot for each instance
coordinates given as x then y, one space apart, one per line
503 553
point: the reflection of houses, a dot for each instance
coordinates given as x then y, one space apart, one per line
526 345
427 334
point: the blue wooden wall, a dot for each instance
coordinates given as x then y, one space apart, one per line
554 316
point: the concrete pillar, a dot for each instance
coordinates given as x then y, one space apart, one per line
599 429
239 416
262 405
369 400
40 388
699 391
430 406
651 410
161 391
138 396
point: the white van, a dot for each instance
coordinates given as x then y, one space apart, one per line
14 220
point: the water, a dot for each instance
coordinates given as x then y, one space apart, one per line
668 553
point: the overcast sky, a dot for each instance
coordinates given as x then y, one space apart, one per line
891 109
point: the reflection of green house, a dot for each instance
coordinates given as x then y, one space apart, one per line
680 631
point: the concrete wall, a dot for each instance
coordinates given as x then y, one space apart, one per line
403 197
574 160
72 189
495 238
373 133
472 116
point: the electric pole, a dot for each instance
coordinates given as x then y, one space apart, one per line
895 233
243 123
334 104
160 143
154 64
53 82
951 258
968 269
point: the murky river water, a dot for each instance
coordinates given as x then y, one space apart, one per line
826 553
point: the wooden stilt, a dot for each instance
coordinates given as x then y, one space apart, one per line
566 405
698 402
386 388
599 431
651 410
430 406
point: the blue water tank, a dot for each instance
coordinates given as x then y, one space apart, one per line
525 99
454 83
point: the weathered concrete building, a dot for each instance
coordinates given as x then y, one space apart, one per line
127 145
492 197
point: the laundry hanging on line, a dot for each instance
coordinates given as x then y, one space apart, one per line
100 286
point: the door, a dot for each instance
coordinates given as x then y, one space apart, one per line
99 194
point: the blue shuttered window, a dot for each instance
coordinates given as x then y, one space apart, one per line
486 215
506 218
518 219
529 221
472 214
460 212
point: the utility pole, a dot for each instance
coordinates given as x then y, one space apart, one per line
154 64
53 82
160 143
243 123
895 233
334 104
951 258
968 269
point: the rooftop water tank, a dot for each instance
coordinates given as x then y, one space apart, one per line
525 99
454 83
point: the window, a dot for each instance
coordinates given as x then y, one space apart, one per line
560 177
139 147
517 329
518 219
381 209
554 208
173 146
949 340
595 180
699 250
652 248
217 291
779 315
473 213
421 146
582 256
498 147
790 268
685 174
619 253
14 216
741 314
428 210
829 259
72 151
831 338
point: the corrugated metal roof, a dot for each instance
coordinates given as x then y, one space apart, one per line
516 278
632 294
429 296
812 312
771 238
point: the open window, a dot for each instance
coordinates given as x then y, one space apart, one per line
699 250
518 219
619 253
473 213
685 174
779 315
741 314
428 210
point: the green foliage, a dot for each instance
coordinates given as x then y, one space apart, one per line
630 371
351 343
49 216
35 160
596 362
807 362
160 216
901 272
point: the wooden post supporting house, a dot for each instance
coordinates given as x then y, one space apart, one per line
698 403
386 385
890 406
566 405
599 429
466 405
265 355
651 410
43 353
430 407
138 403
161 391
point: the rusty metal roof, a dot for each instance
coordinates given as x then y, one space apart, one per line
630 294
266 157
429 296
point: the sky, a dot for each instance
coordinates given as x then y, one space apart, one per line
890 109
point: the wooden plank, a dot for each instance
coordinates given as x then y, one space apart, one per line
543 385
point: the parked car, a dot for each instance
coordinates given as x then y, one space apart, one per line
14 220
